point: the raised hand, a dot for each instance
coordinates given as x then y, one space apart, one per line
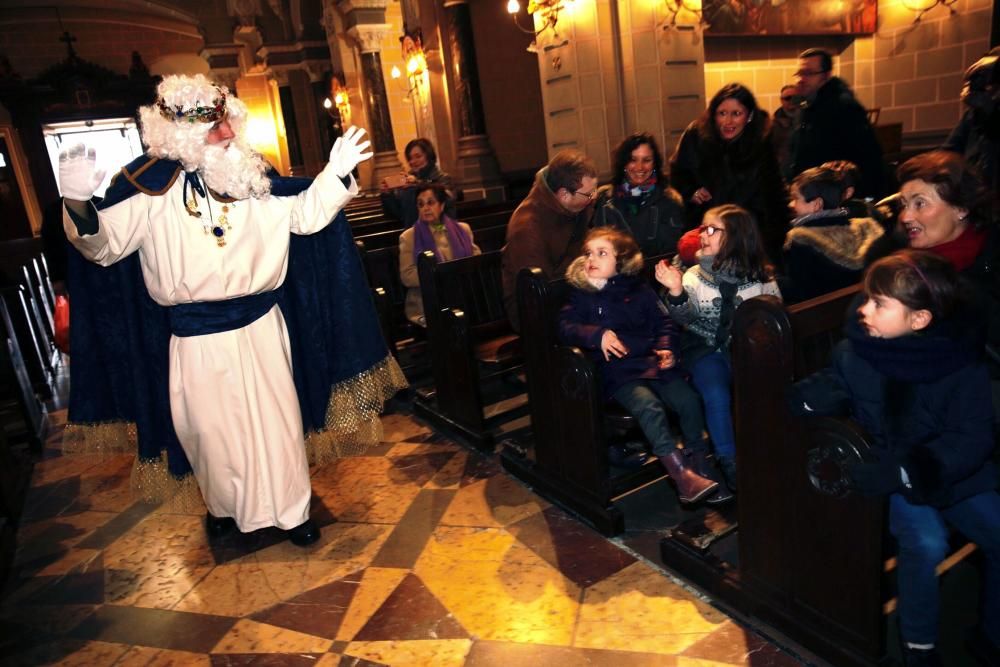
79 176
701 196
349 151
670 277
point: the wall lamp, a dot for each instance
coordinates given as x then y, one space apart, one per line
675 7
341 100
413 56
921 7
547 11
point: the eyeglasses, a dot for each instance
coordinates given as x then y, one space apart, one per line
709 230
803 73
589 195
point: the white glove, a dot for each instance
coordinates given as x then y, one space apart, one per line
347 152
79 177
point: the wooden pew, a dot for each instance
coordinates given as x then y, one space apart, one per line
471 345
381 264
570 420
22 413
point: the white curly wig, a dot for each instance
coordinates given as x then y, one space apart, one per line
235 169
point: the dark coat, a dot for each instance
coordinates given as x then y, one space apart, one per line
628 306
543 234
401 203
835 126
656 226
925 398
743 172
978 141
825 252
782 126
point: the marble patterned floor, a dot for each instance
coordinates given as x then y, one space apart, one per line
430 555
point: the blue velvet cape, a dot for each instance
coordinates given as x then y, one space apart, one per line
119 336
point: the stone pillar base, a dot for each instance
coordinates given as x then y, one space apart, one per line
478 170
384 163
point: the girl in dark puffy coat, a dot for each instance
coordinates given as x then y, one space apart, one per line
910 373
618 319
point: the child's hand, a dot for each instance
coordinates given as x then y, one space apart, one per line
701 196
670 277
611 346
666 359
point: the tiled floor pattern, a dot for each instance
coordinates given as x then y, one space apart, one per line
430 555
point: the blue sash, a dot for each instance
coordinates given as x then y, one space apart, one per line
208 317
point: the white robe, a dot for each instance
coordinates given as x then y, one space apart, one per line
232 397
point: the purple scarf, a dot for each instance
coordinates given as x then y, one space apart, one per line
461 245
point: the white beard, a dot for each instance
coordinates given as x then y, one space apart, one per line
236 171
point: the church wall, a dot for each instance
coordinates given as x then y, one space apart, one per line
912 71
511 92
30 40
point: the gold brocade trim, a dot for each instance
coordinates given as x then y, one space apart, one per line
100 438
352 415
152 483
352 425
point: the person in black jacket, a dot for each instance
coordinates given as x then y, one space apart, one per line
639 200
834 126
977 135
910 373
726 157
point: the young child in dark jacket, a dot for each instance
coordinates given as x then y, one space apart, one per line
825 249
910 373
618 319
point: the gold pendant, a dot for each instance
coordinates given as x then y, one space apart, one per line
219 230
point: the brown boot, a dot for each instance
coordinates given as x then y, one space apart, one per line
691 487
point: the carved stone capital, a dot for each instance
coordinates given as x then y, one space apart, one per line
369 36
330 19
244 11
348 6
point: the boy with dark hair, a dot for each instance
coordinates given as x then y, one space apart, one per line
825 249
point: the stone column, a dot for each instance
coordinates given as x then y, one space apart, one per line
478 171
369 40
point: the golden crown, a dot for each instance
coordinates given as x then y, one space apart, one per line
199 114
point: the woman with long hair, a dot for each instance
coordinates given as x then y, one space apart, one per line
726 157
639 200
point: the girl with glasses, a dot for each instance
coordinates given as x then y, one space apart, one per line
732 267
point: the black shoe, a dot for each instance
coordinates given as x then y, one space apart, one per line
705 466
622 456
304 534
983 650
728 467
921 657
218 526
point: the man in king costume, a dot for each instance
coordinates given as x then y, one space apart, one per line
249 334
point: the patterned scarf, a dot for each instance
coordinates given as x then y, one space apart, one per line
423 239
633 197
